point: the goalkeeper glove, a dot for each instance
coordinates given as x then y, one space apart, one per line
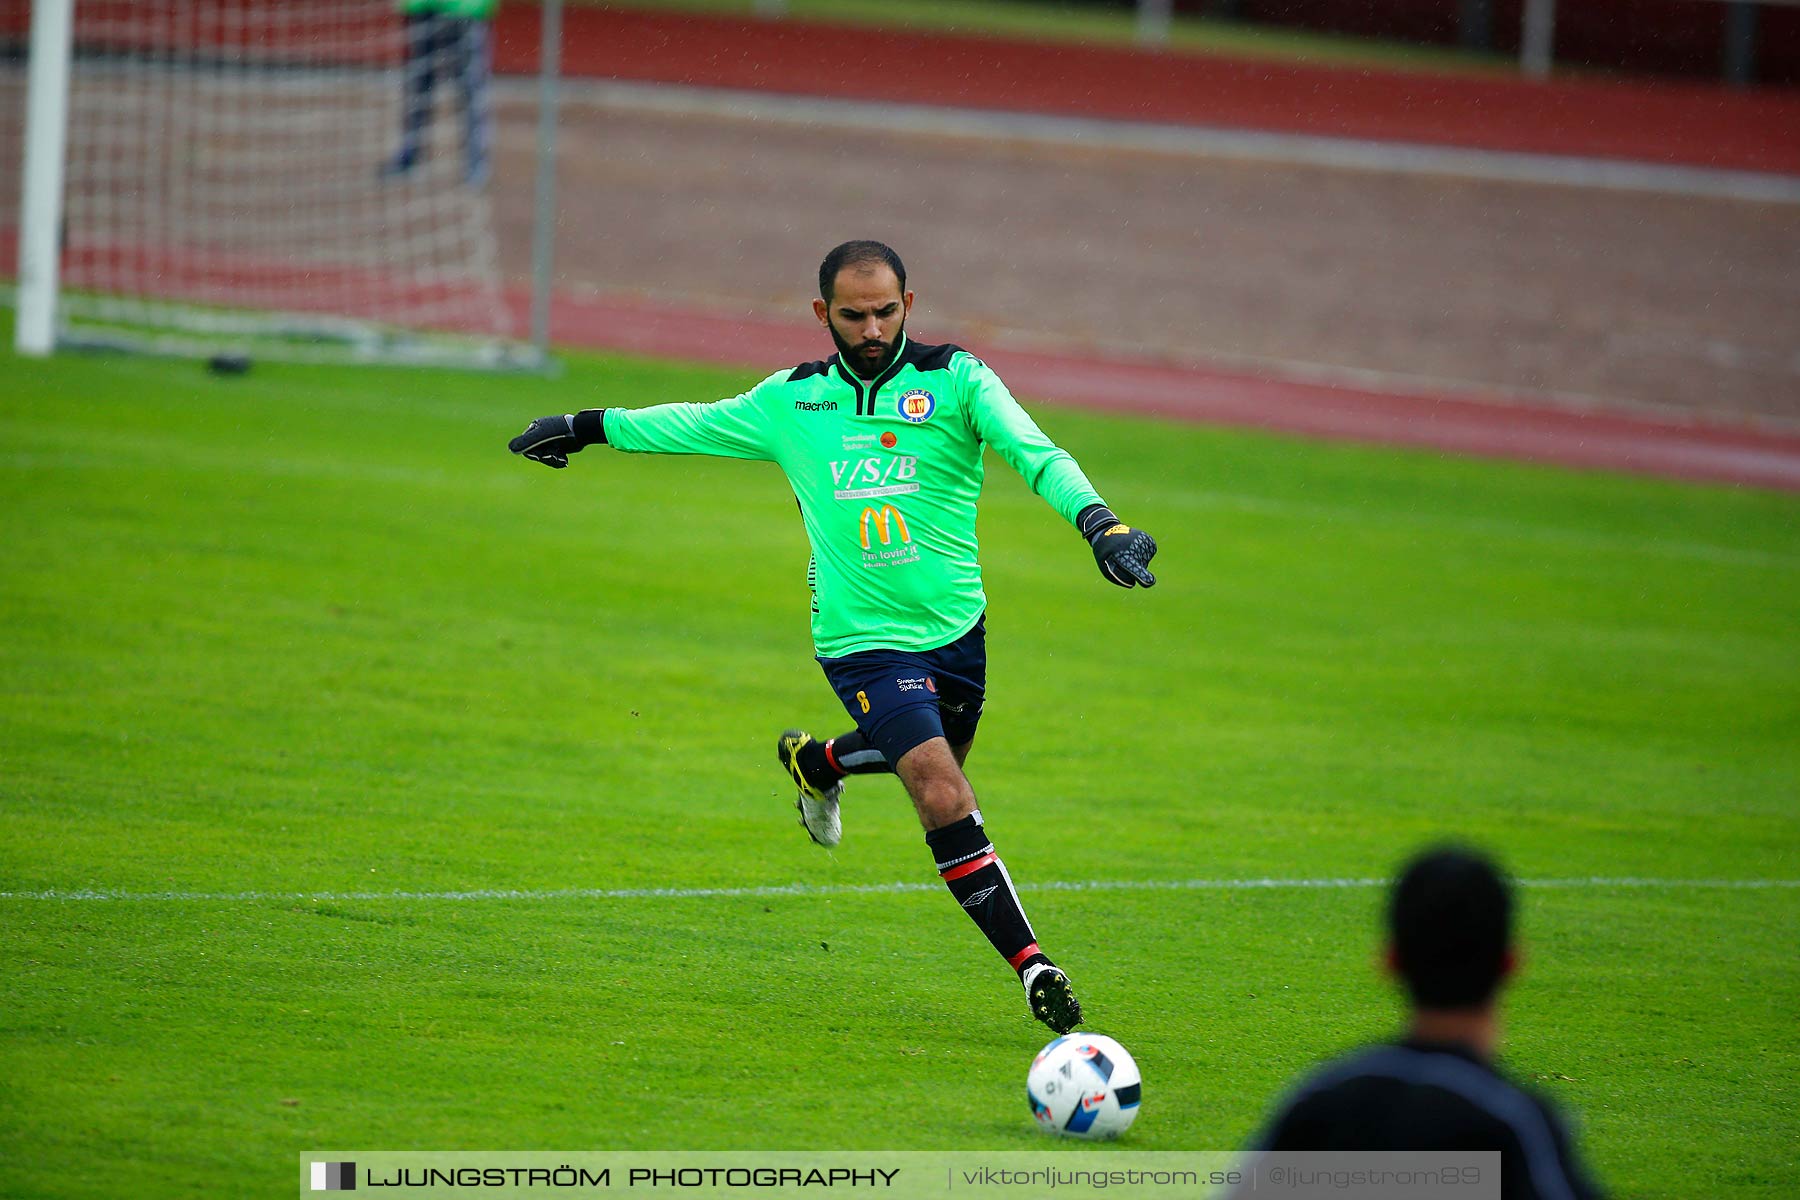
550 440
1123 553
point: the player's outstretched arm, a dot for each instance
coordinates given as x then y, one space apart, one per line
1123 553
550 440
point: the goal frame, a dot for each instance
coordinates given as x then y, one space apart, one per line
39 329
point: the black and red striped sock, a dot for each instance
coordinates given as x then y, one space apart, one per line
978 879
824 763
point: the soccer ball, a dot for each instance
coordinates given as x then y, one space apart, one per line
1084 1085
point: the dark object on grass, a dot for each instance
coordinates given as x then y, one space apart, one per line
228 364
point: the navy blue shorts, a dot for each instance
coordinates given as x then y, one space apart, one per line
900 699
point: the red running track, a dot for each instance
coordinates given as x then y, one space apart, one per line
1461 424
1648 121
1469 425
1640 120
1656 122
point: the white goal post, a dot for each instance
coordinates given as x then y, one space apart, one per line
299 179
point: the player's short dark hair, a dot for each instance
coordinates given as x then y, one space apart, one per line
1450 917
856 254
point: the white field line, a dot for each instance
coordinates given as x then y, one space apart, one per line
862 116
867 889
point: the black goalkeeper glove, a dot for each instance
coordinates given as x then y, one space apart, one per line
550 440
1123 553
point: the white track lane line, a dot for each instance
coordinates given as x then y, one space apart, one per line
1195 141
76 895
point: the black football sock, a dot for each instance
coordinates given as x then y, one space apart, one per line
978 879
824 763
852 754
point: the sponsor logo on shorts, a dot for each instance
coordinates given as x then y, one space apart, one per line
911 685
917 405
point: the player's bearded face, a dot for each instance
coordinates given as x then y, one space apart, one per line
868 356
866 317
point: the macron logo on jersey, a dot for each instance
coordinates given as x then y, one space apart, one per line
815 406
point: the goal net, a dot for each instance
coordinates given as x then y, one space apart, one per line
234 183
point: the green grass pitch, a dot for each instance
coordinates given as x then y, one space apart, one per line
312 632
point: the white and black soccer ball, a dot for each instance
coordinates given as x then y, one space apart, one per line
1084 1085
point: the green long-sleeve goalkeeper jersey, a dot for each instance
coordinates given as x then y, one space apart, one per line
887 473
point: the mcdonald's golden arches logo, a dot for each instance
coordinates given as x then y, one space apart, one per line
886 521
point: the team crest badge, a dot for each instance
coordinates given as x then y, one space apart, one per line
917 405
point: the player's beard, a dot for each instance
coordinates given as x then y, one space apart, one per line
859 363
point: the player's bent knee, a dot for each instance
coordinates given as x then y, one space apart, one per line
940 791
947 809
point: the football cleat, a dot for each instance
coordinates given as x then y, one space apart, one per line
818 809
1051 999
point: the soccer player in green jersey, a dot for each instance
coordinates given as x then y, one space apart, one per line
882 444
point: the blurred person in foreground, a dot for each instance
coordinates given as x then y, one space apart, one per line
882 444
446 37
1451 948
